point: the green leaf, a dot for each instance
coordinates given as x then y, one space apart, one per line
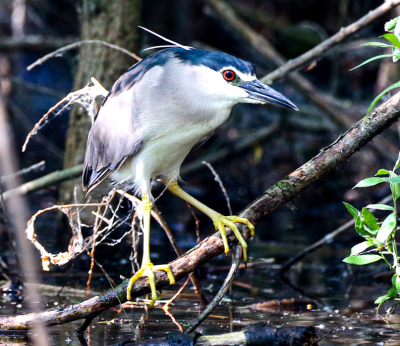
395 191
377 243
370 182
381 299
382 172
362 259
353 211
372 59
392 293
397 165
396 54
377 44
392 39
396 282
370 220
359 226
394 187
394 180
391 24
376 99
379 206
386 229
356 249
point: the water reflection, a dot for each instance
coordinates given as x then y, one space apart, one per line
328 300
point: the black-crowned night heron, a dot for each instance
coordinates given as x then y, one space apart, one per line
155 113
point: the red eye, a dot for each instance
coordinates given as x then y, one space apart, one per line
229 75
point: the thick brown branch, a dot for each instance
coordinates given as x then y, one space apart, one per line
276 196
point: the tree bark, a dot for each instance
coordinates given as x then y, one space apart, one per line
115 22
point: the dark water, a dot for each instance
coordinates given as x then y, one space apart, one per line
332 296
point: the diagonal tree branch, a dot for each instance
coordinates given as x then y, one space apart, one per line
318 51
278 195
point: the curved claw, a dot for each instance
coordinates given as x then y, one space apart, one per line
229 221
148 270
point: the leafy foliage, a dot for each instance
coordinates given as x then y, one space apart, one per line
379 237
393 27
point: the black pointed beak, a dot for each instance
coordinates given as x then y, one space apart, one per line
263 93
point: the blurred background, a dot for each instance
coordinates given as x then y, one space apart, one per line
254 149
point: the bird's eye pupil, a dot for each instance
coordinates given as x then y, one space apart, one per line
229 75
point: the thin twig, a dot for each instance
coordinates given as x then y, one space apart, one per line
224 288
135 242
325 240
161 221
61 50
108 277
166 305
337 327
89 91
221 185
197 221
37 166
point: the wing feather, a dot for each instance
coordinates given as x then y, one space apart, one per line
114 135
112 139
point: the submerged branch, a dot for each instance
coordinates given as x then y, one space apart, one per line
275 197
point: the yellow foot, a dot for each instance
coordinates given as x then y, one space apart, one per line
221 221
148 270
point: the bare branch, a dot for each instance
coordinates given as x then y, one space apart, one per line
318 51
221 185
36 167
85 95
60 51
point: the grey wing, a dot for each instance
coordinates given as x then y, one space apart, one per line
112 139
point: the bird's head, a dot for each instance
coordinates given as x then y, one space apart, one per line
224 78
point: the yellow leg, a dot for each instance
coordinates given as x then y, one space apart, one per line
219 220
147 268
